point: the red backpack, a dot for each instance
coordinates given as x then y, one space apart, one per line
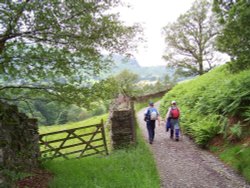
175 113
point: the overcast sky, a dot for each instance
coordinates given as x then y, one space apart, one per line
153 15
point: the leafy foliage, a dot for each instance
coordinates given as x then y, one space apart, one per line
235 36
126 81
49 112
236 131
55 48
209 100
190 40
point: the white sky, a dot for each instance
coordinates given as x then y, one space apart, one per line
153 15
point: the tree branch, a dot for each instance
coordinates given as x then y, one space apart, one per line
25 87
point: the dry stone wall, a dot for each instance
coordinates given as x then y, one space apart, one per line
150 96
19 148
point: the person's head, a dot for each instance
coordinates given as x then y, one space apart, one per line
173 103
151 104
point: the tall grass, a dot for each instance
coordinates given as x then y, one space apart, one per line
131 167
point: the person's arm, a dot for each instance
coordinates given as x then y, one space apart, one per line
168 114
145 115
159 119
179 113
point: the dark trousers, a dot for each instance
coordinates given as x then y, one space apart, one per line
151 130
176 131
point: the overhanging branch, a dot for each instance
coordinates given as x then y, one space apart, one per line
25 87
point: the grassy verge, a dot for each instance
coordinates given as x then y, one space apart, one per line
235 155
132 167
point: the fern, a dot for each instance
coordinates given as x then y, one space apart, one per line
207 101
246 114
236 131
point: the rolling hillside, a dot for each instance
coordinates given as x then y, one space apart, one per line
151 73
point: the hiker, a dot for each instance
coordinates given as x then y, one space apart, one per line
173 116
150 116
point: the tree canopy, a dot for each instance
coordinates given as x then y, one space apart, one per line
56 47
234 39
126 82
189 40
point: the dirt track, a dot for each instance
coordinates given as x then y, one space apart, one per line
183 165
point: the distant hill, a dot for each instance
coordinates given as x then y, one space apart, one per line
152 73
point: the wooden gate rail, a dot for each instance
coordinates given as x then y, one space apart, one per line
92 143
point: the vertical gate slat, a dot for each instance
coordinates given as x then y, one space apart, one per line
104 137
88 143
63 142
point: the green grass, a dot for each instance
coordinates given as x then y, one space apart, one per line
131 167
90 121
237 156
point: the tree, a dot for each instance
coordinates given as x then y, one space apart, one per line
50 111
234 39
126 82
55 47
170 81
190 40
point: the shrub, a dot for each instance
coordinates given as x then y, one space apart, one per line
204 130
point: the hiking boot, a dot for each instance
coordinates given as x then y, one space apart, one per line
177 139
150 142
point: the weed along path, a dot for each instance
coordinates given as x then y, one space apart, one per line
184 165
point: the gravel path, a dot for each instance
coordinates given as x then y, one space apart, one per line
183 165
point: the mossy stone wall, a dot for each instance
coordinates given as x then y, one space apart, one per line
19 147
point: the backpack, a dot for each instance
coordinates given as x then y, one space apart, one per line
175 113
153 114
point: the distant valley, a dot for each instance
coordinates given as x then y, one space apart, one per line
152 73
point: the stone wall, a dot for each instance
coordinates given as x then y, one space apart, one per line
145 98
19 148
122 116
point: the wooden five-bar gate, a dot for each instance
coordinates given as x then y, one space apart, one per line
77 142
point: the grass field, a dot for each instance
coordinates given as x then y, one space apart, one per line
131 167
73 138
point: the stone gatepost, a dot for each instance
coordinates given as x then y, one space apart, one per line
123 130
